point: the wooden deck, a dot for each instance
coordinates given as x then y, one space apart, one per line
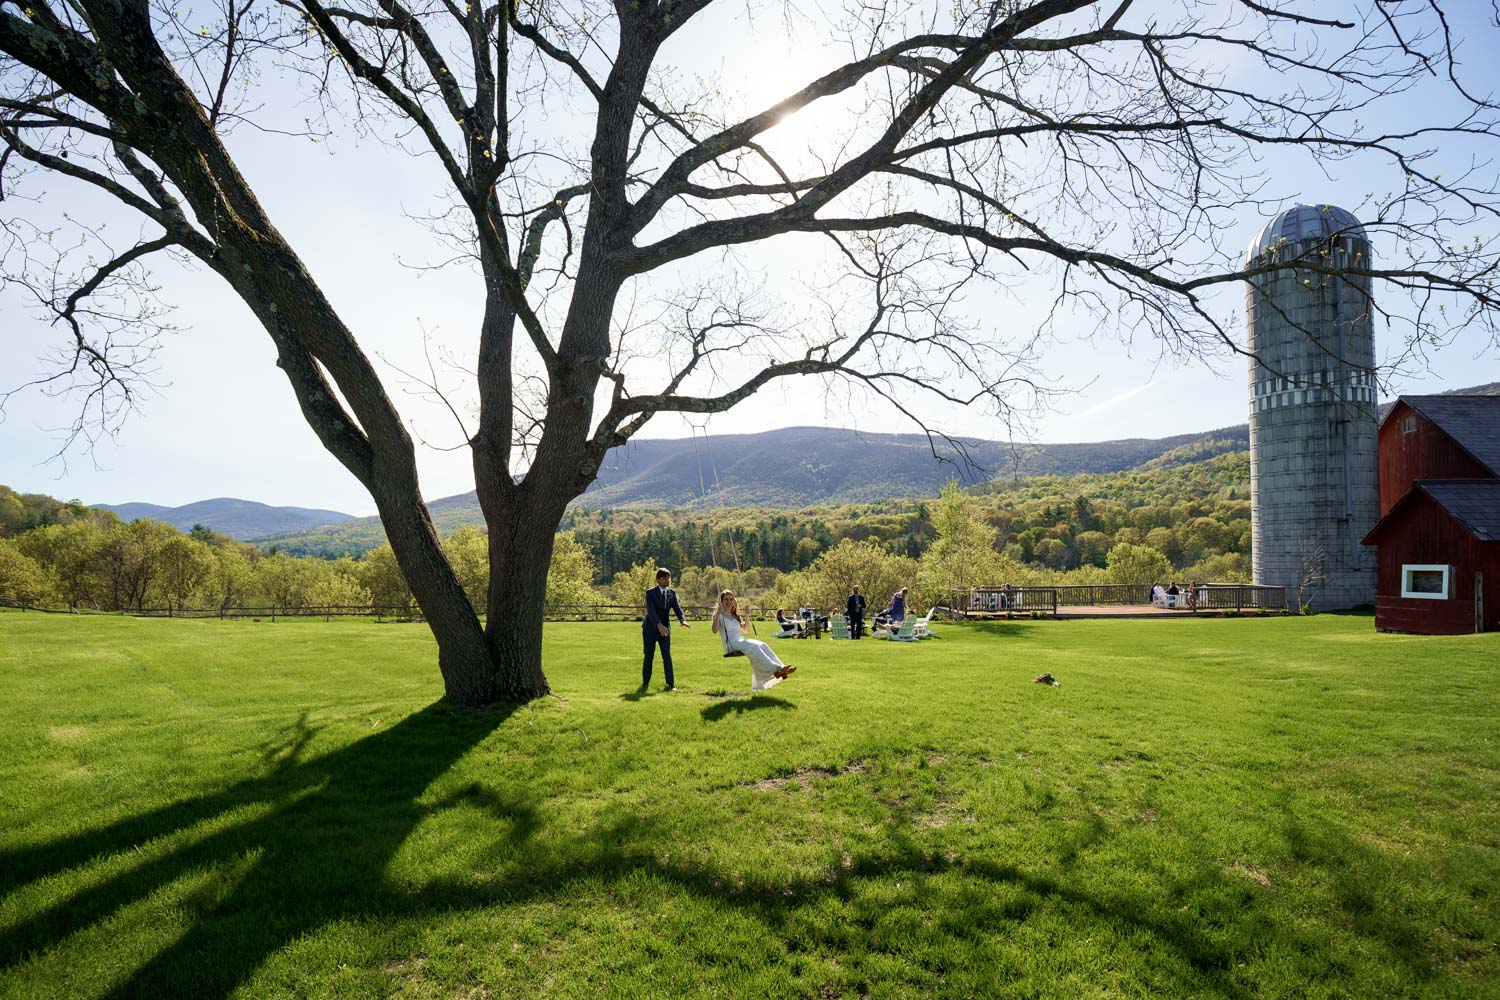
1125 611
1137 611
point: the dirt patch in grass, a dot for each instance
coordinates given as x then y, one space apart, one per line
65 732
1254 874
944 814
803 777
406 966
1384 843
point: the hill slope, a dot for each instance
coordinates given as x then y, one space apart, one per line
801 467
242 519
793 469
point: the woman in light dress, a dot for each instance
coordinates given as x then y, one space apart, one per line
766 669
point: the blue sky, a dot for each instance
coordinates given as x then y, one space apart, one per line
225 423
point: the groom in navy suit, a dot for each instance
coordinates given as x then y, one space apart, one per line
656 628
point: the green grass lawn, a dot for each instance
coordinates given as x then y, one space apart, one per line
1245 807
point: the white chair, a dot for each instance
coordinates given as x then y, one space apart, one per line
906 632
920 628
792 628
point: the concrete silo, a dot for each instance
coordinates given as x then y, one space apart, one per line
1314 492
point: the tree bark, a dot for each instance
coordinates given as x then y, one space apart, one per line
472 674
520 554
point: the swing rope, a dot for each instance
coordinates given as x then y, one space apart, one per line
703 490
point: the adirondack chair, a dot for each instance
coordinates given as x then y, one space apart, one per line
838 627
907 632
920 628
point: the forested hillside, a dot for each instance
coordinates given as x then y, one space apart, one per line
23 511
1181 507
796 469
1184 517
1190 512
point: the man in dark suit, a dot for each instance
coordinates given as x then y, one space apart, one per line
656 628
856 610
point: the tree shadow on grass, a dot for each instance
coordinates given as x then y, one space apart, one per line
1002 629
739 706
1362 883
328 828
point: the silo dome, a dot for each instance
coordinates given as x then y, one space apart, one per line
1306 222
1310 337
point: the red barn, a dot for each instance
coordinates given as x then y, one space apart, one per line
1439 532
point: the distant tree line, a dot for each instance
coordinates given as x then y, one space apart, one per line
1194 512
1185 517
23 511
107 565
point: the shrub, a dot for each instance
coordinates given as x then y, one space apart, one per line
22 578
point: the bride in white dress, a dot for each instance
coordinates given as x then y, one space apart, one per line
766 668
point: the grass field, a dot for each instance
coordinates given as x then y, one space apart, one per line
1282 807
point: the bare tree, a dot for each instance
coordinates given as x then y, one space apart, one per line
1312 570
1097 141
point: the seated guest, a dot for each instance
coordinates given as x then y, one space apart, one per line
1158 595
1173 590
788 624
812 620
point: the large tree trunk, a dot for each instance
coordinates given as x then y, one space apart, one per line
520 550
478 666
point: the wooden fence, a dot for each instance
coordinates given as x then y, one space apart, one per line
554 612
982 601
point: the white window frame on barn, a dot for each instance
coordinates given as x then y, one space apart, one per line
1407 569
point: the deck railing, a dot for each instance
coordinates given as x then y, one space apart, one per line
1209 597
1021 600
1104 595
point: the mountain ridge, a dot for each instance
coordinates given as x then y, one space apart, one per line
241 519
790 468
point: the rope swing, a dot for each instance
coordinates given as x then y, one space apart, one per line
713 554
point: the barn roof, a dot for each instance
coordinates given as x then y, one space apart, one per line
1474 503
1472 421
